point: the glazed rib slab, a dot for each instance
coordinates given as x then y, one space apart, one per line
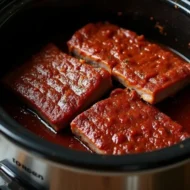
124 124
152 70
57 86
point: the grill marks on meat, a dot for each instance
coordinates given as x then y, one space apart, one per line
154 72
123 124
58 86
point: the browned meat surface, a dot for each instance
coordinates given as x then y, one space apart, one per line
57 86
153 71
123 124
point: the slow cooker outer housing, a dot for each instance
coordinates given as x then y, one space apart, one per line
28 25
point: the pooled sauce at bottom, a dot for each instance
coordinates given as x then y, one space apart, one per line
177 107
24 116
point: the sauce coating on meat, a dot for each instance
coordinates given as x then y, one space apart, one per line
57 85
94 42
54 80
153 71
124 124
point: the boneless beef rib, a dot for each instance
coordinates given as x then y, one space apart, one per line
58 86
123 124
153 71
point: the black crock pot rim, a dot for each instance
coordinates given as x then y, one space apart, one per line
85 160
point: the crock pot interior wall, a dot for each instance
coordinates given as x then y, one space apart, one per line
40 22
46 21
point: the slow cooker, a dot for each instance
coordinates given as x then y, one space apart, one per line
30 162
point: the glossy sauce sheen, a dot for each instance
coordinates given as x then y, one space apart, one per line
123 124
137 63
124 49
17 110
177 107
56 85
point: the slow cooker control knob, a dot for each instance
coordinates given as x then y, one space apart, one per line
8 180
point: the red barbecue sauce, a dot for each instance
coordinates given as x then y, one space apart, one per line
177 107
124 124
23 116
145 64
